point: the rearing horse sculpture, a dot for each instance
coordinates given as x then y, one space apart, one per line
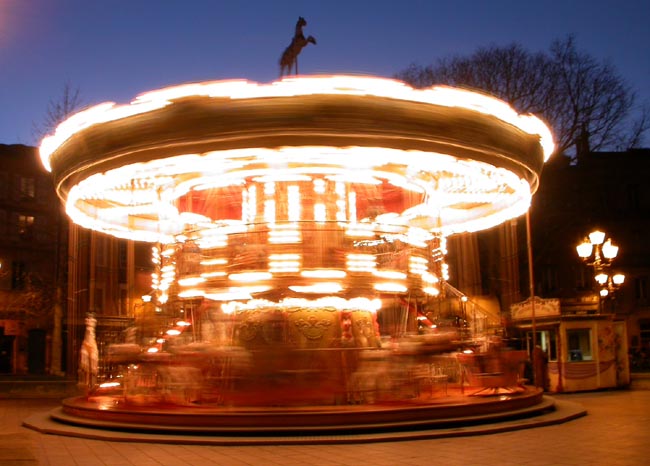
289 58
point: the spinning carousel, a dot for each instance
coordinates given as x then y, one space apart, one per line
286 221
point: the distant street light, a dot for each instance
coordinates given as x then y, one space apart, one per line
599 253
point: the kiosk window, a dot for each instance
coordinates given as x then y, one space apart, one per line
579 344
547 340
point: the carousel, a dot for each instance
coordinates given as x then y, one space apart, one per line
289 224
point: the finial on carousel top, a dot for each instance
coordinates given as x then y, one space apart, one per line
289 58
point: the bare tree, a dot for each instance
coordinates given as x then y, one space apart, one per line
34 300
510 72
58 110
591 103
589 106
42 301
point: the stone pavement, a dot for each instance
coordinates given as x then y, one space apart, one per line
616 431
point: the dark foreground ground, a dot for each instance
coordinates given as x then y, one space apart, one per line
616 431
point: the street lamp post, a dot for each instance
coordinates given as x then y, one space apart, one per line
599 253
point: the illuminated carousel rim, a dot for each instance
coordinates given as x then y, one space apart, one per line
195 126
300 420
198 124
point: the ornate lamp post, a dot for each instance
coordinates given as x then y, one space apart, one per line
599 253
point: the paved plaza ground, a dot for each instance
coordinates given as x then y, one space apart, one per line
616 431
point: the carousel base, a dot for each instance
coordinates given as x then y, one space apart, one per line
451 415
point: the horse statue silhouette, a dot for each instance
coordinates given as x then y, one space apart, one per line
289 58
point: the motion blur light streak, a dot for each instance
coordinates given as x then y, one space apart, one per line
343 85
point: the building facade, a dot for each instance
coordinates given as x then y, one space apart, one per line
54 273
31 274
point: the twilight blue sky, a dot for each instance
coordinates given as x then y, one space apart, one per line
114 50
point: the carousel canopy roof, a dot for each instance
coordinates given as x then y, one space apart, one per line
122 168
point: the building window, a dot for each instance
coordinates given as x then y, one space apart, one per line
18 274
122 260
124 301
98 301
549 279
584 279
4 185
27 188
3 222
101 251
641 289
644 333
25 226
579 344
547 341
633 203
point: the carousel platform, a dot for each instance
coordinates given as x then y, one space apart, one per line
447 416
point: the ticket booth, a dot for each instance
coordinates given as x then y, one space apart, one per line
584 349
